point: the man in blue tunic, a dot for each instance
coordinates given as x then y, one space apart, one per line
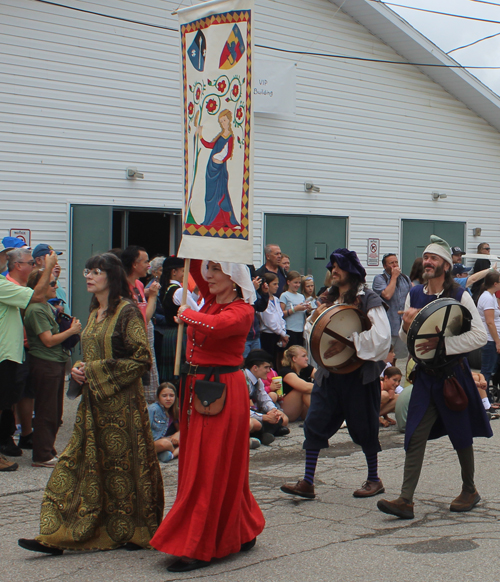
429 417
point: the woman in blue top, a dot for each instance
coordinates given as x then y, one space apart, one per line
164 419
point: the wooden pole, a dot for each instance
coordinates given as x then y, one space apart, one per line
180 329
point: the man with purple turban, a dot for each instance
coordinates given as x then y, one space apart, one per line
353 397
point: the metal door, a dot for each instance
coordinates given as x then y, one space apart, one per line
416 236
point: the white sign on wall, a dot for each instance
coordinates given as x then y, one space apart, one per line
373 252
23 233
274 86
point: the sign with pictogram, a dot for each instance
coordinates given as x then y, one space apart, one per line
373 252
23 233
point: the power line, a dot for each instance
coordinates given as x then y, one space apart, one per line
437 12
486 2
473 43
288 51
108 15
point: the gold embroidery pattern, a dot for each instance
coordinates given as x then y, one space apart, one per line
107 488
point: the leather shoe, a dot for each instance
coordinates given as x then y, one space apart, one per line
35 546
186 565
399 507
10 449
465 501
369 489
282 431
302 488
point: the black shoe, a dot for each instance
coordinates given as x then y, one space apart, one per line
282 431
26 442
246 547
131 547
34 546
186 565
266 439
11 449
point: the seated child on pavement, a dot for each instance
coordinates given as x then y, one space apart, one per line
388 396
164 419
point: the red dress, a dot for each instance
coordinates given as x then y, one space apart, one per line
214 511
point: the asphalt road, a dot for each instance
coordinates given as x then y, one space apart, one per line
334 537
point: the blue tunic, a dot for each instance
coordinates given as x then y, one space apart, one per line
462 426
216 186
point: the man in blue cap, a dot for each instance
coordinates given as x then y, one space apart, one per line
13 298
353 397
39 254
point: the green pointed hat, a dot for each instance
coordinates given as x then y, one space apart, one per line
439 247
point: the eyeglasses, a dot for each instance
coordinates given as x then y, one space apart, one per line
485 249
93 272
53 284
32 263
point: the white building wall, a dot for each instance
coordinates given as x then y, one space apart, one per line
83 97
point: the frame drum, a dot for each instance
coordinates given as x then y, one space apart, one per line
450 317
338 322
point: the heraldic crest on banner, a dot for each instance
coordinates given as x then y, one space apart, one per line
216 76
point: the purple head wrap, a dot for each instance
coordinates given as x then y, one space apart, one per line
347 261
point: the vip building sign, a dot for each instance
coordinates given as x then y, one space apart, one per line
216 45
274 87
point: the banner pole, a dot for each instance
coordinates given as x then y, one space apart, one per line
180 329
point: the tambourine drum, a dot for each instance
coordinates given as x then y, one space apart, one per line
338 322
450 317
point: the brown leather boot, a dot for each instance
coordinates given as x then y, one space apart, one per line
465 501
301 488
399 507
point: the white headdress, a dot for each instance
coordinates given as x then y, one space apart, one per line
240 274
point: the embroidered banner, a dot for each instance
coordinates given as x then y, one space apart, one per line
216 45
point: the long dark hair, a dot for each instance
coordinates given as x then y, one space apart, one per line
117 279
351 297
417 270
491 278
449 285
164 281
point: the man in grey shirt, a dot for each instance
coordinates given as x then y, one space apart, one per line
393 287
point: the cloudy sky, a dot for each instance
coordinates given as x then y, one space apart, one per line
449 33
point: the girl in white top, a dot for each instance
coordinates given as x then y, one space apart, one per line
489 312
294 308
272 323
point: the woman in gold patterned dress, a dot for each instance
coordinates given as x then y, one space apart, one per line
106 490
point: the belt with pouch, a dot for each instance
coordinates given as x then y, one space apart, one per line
193 369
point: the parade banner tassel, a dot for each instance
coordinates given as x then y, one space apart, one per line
216 43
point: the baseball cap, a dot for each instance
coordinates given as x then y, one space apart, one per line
457 269
457 251
4 248
42 250
12 242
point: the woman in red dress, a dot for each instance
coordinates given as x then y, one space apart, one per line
214 513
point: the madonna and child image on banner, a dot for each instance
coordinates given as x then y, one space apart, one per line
216 63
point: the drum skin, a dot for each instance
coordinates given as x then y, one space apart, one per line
338 322
450 317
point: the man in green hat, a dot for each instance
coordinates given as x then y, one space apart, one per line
429 413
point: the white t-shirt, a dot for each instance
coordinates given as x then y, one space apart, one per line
488 301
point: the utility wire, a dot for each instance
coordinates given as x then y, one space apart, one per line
486 2
473 43
288 51
437 12
107 15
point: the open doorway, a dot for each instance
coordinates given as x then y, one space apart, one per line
96 229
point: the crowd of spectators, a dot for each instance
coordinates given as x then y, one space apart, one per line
279 366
